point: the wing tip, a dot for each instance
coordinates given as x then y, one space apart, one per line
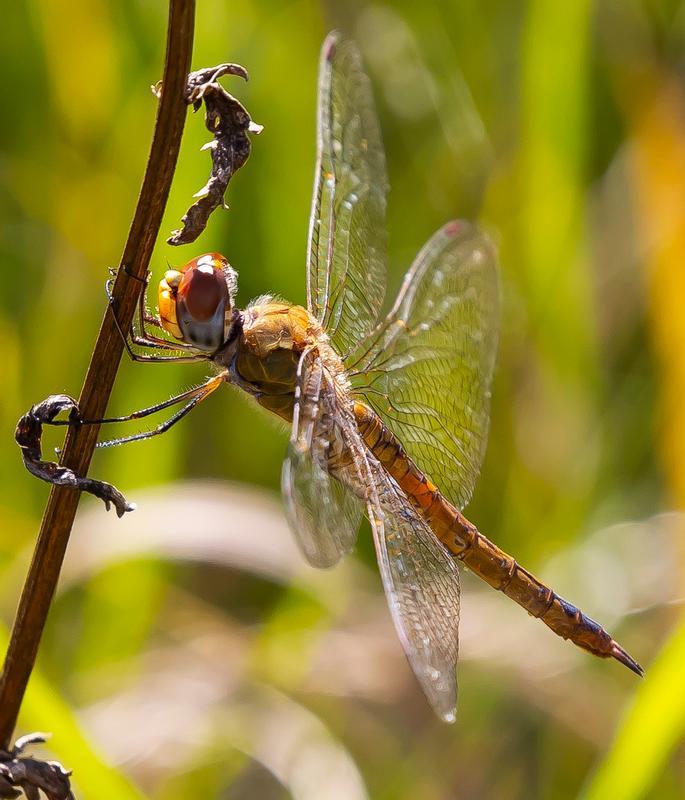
465 229
330 45
454 227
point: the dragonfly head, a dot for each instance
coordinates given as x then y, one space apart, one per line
196 301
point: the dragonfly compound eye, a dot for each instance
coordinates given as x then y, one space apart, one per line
195 303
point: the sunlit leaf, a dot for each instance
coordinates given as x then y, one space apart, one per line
649 732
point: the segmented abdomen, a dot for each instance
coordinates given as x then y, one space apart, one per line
481 555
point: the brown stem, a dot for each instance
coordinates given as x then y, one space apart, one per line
80 442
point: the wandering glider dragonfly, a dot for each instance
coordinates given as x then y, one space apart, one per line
389 414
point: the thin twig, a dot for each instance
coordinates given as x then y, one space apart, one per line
80 442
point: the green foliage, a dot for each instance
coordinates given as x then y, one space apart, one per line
652 729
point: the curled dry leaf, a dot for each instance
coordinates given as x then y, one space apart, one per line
28 435
229 123
31 776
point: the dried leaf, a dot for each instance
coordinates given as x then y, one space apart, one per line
229 123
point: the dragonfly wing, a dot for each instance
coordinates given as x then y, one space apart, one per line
427 367
323 514
421 583
346 262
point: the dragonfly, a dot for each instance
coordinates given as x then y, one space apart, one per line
388 413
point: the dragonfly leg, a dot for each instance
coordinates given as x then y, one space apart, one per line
28 436
144 358
198 394
142 337
75 420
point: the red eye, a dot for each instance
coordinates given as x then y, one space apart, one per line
202 288
203 301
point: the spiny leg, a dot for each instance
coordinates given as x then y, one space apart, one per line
149 341
142 312
198 394
140 413
141 307
29 435
143 337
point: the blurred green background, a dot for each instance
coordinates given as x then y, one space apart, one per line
189 652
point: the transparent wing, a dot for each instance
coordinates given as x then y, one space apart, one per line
420 579
427 368
323 514
421 584
346 269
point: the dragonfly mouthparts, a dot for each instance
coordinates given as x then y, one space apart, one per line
620 655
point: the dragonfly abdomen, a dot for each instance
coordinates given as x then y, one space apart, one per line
483 557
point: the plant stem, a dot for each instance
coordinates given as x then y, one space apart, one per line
80 442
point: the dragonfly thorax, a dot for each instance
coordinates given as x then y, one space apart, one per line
196 302
263 354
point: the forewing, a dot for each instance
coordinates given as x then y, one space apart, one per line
421 583
427 368
346 269
323 514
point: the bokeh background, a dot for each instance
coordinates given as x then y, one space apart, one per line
190 653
